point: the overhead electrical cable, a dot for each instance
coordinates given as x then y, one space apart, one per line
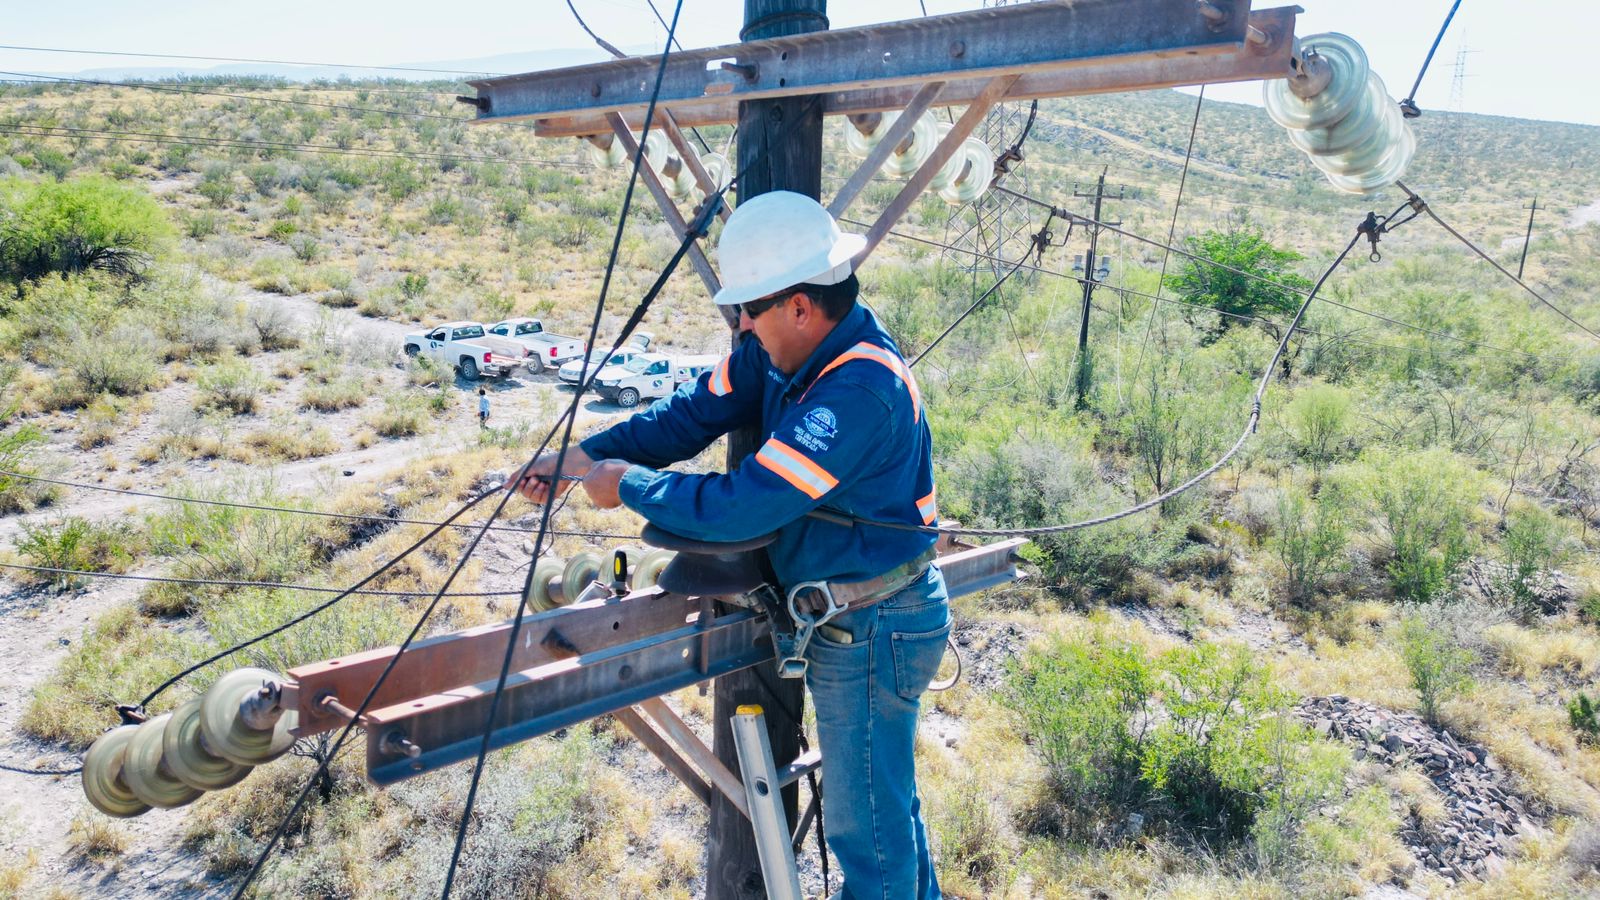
261 507
1172 231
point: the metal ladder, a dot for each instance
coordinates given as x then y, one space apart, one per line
762 787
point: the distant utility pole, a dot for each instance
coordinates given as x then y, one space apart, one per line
1082 376
1525 238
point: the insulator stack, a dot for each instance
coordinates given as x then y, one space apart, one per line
560 583
207 743
1338 113
914 149
607 152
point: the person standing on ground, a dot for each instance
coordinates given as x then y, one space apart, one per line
846 431
483 408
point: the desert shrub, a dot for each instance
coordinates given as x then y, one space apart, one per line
79 224
96 837
413 285
1319 423
402 415
1439 665
1024 482
216 184
76 543
19 447
970 836
1423 503
1245 248
328 392
99 423
1309 539
225 544
123 360
1172 430
285 441
231 385
1582 715
1534 541
1198 737
274 325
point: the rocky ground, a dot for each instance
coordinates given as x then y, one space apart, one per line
1482 814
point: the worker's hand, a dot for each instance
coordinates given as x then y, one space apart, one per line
534 480
602 482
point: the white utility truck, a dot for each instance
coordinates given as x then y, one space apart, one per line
649 376
599 360
541 349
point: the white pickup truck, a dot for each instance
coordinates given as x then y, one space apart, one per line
649 375
598 359
465 346
541 349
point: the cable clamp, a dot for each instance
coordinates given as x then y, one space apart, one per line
1372 227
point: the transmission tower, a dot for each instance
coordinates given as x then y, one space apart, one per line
1458 93
996 226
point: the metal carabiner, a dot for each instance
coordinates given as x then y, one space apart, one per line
794 664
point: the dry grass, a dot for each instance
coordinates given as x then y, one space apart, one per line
284 442
1534 742
94 837
1573 651
15 875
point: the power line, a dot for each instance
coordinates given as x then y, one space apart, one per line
218 582
259 507
1071 216
1408 106
263 82
173 89
1172 230
1422 206
240 59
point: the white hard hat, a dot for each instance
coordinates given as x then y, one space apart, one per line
778 240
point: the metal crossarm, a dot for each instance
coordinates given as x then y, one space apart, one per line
1055 49
570 664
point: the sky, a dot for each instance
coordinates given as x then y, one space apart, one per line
1525 57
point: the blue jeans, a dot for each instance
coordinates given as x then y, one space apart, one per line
867 693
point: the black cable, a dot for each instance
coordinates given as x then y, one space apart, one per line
1409 105
1076 218
604 44
594 329
270 585
145 703
274 62
975 304
292 510
1421 206
1172 230
610 48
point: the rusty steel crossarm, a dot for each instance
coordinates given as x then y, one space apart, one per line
686 152
629 665
851 66
464 657
669 209
449 726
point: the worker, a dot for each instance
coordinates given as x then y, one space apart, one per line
845 430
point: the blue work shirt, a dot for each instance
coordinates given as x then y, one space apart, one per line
848 432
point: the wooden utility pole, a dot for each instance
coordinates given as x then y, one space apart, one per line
779 149
1529 236
1081 377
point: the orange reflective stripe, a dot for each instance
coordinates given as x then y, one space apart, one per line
883 358
721 384
927 508
794 467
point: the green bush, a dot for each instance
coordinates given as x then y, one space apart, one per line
1244 247
226 544
19 444
1198 737
402 415
1581 712
413 285
1534 541
231 385
76 543
1319 423
328 392
1440 667
1424 503
79 224
1309 539
123 360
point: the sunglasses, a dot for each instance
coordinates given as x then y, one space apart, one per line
753 308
